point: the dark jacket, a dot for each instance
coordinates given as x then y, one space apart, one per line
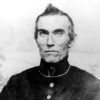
35 84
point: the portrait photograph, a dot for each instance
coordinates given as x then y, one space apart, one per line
49 50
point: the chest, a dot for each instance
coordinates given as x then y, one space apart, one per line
52 89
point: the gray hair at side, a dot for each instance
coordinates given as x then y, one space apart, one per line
51 10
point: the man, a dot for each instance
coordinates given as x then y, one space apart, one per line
55 78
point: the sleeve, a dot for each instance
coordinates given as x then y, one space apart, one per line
9 91
97 90
92 89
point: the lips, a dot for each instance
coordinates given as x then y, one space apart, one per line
51 52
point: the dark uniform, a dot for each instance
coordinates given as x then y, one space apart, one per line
58 81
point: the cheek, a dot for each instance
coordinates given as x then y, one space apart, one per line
41 41
63 40
64 47
40 45
63 44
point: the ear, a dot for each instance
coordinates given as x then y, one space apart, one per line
71 42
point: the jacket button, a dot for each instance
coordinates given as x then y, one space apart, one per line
49 97
51 85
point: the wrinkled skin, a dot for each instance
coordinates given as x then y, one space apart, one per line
52 37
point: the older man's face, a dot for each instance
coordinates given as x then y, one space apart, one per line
52 37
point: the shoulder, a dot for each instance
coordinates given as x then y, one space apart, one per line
23 76
89 84
18 83
82 73
84 77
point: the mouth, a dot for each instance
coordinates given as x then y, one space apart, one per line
51 52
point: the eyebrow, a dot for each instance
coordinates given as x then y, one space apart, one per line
59 30
42 30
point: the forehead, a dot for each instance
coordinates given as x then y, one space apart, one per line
53 22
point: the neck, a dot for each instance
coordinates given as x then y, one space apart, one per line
54 69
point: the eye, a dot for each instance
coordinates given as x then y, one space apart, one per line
59 32
42 33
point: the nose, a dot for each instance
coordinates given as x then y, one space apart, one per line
50 41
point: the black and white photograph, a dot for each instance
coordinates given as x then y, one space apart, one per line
49 50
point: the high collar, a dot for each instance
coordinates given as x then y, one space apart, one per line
54 69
